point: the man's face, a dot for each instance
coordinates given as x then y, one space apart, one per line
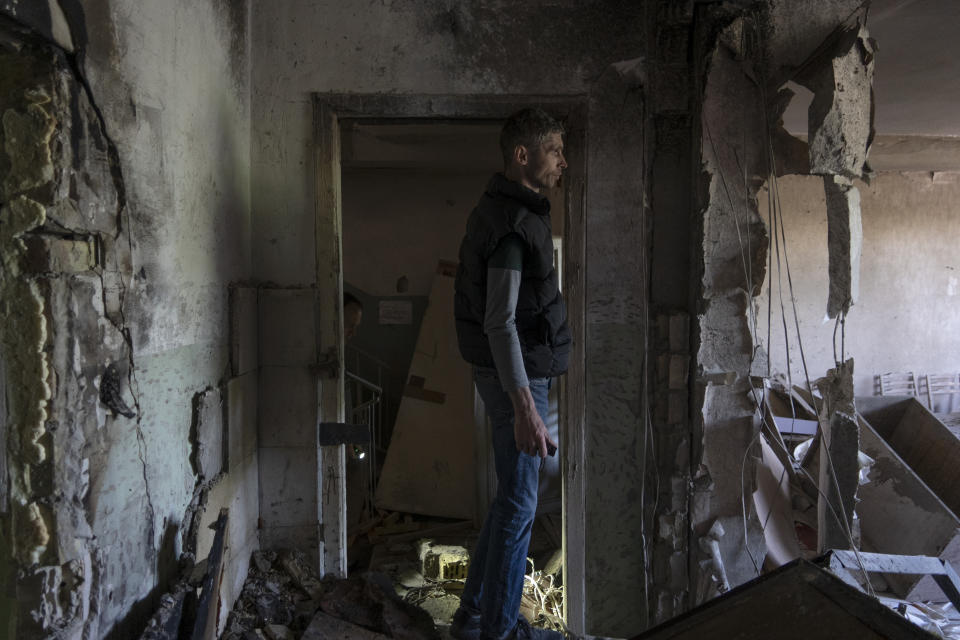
546 163
352 314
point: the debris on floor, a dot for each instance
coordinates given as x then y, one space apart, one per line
283 599
427 562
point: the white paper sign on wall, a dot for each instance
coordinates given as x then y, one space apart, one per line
396 312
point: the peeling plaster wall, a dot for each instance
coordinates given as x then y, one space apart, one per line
489 47
149 176
905 317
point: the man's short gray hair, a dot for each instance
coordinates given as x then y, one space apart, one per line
527 127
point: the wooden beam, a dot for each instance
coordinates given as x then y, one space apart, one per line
847 562
205 624
573 391
331 481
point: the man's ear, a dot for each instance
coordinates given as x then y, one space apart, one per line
520 155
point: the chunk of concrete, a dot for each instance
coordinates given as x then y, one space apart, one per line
208 431
840 118
839 469
443 562
844 243
899 513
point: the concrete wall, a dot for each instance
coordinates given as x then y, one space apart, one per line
160 124
905 318
400 223
490 47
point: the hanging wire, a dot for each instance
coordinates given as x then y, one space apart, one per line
776 238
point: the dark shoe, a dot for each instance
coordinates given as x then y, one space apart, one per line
524 631
465 625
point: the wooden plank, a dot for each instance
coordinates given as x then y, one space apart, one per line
205 624
941 571
795 602
922 441
898 513
331 481
573 389
430 465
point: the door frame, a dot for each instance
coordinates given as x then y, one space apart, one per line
328 109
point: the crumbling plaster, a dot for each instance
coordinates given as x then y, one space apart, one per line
746 64
149 166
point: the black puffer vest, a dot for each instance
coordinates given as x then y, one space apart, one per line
508 207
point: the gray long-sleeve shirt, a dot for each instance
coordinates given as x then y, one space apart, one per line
499 323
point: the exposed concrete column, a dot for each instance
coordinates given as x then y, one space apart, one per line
841 129
839 473
844 240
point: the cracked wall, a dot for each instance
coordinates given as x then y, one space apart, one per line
125 217
585 51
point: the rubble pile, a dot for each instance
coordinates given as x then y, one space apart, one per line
283 599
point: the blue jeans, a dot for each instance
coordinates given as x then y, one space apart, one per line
495 578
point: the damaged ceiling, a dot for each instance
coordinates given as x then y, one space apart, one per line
916 87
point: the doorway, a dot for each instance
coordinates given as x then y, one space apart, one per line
425 160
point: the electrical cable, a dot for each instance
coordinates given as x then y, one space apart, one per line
779 234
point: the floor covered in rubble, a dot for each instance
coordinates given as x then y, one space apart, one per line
406 576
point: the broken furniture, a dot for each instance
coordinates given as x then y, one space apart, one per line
847 565
183 613
922 440
899 513
895 384
430 468
940 384
797 601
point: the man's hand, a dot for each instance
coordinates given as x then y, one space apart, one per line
530 433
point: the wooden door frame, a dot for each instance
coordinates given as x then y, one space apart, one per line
328 109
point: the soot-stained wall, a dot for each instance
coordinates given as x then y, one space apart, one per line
504 48
125 208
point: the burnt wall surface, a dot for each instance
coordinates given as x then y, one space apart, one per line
589 51
124 218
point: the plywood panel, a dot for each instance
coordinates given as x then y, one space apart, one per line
430 466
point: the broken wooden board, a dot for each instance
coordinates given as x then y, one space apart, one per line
900 514
921 439
798 601
429 467
205 624
847 564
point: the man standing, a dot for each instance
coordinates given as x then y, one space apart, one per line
511 326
